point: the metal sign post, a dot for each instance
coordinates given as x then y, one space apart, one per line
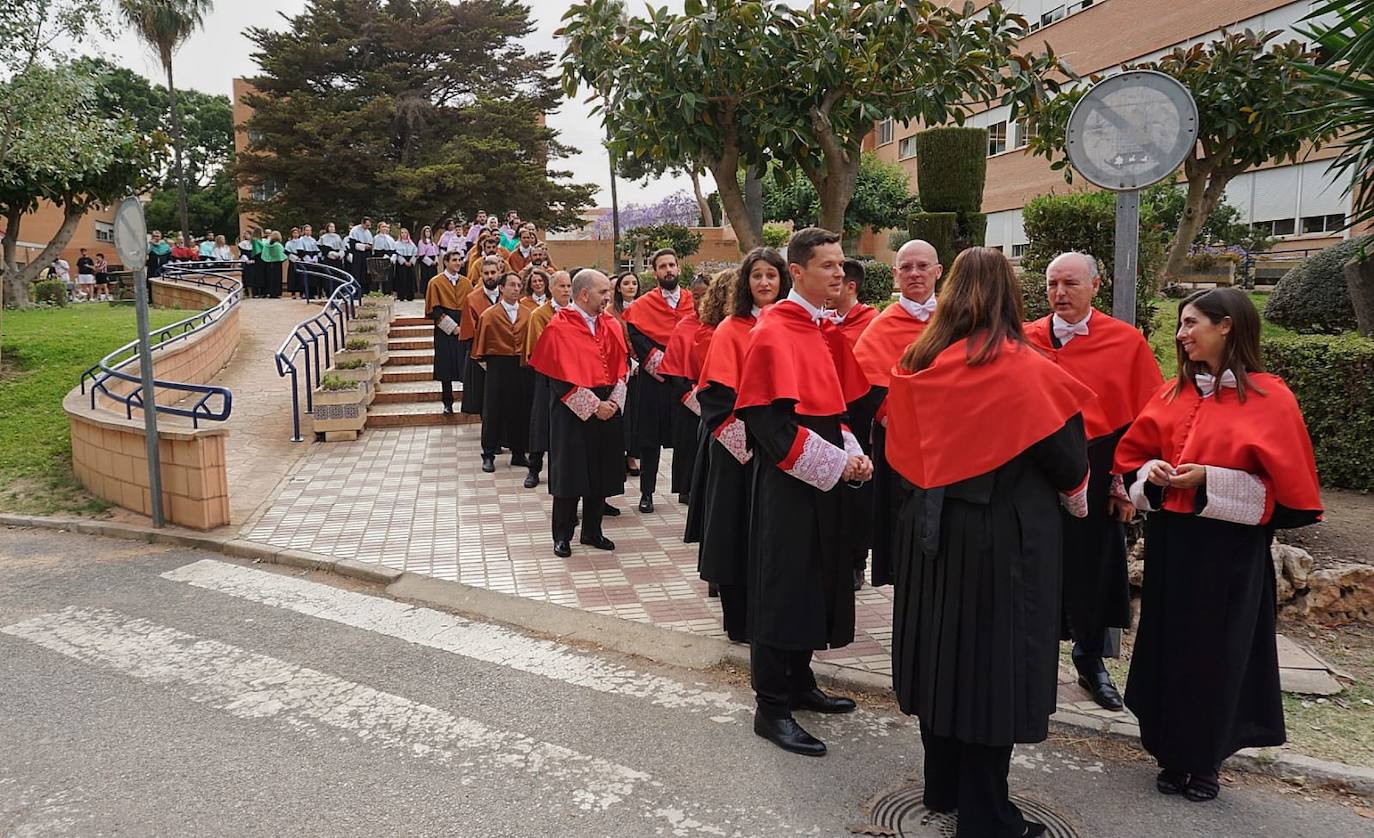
1129 131
131 240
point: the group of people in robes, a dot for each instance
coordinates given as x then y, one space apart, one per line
987 466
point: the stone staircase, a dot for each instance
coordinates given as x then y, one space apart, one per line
407 396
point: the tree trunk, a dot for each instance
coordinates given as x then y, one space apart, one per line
615 212
836 190
708 219
725 169
15 293
753 199
1205 191
1359 278
176 155
17 281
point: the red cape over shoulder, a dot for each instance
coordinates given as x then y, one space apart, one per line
686 349
792 357
568 351
952 421
725 356
1113 359
856 321
1265 436
883 342
650 314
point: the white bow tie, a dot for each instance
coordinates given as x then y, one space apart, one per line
921 311
1208 382
1064 331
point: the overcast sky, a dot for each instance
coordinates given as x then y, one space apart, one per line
219 53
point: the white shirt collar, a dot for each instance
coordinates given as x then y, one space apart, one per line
813 311
555 306
512 310
492 294
671 296
921 311
589 318
1066 331
539 299
1209 385
453 278
755 312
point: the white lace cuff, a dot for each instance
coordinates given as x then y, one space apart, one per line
814 461
690 402
618 396
1118 488
852 447
1076 502
734 438
1137 492
1234 495
651 365
582 402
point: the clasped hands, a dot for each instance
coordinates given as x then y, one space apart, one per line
857 469
1185 476
605 410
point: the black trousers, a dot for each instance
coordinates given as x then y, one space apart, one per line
648 469
779 675
565 517
447 388
973 779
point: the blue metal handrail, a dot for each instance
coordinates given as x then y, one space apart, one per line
113 366
318 337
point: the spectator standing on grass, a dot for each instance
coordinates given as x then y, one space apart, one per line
102 276
85 275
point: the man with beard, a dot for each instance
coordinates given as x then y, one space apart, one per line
878 349
1114 360
650 321
474 378
445 298
582 352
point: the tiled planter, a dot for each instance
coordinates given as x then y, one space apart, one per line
340 414
368 355
365 376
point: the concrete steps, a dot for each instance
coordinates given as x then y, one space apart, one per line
414 414
407 397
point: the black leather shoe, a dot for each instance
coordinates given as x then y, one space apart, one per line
1202 788
600 542
646 503
562 549
488 464
532 480
858 578
1103 691
1034 830
818 702
788 735
610 511
448 411
519 461
683 498
712 590
1171 782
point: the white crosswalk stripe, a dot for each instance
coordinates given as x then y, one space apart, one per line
254 686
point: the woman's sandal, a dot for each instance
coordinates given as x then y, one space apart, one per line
1202 787
1171 782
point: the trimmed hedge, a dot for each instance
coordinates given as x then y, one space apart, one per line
1333 379
1314 297
50 291
951 169
878 283
940 229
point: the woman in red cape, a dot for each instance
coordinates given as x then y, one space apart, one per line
1220 458
986 436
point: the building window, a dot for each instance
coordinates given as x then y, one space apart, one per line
262 192
885 130
1052 15
906 148
1075 8
1019 250
1277 227
1323 224
1022 137
104 232
997 138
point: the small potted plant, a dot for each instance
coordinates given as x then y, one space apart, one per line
359 348
340 408
382 304
356 369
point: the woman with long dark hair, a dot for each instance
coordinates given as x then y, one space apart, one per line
626 290
1220 458
976 598
724 483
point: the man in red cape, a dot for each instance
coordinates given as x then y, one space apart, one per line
650 321
1114 360
582 352
918 270
851 315
797 382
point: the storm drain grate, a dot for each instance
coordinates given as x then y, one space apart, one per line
900 812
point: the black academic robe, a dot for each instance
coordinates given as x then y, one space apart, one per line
403 275
975 650
859 503
800 577
651 403
721 490
585 460
539 413
474 377
1097 592
507 404
685 428
450 356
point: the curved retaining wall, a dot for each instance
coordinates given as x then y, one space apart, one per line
109 453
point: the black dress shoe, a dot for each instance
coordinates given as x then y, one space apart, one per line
1103 691
1034 830
646 503
489 464
600 542
788 735
532 480
610 511
562 549
1202 787
519 461
712 590
858 578
448 411
634 472
683 498
818 702
1171 782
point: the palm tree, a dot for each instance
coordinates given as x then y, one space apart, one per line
164 25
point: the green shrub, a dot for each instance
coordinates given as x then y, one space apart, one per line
951 168
1086 221
1333 378
775 235
357 344
364 329
50 292
878 283
350 364
940 229
336 382
1313 296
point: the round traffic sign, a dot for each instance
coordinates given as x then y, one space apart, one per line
131 233
1132 129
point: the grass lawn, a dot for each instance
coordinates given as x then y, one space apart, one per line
45 350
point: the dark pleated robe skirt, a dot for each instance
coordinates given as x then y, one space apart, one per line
696 505
686 424
449 352
474 384
1097 592
631 397
723 554
1204 678
539 414
585 460
506 404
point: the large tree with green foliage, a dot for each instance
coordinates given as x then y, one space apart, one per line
1255 105
882 198
428 110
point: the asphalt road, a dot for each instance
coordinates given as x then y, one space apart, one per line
154 691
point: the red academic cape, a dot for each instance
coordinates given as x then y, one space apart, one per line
651 316
686 348
1113 359
856 322
568 351
883 342
952 421
1265 436
725 355
786 361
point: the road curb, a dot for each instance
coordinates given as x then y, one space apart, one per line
662 645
